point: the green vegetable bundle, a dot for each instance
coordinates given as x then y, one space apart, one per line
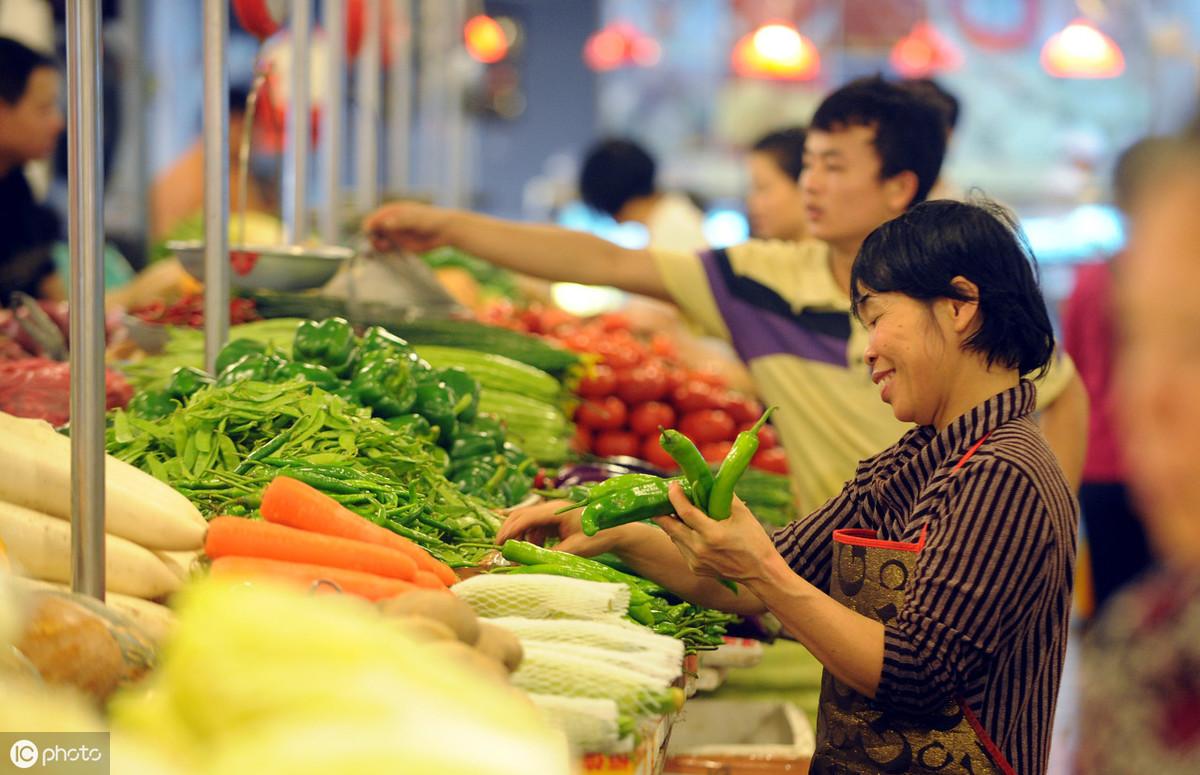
224 444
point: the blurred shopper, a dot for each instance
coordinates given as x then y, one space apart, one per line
30 122
1141 679
948 106
1116 540
619 179
872 151
775 204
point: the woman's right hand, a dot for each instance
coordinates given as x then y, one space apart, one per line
537 523
408 226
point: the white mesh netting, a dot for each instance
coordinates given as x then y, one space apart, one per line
634 647
544 597
590 725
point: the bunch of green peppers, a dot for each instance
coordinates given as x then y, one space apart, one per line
380 371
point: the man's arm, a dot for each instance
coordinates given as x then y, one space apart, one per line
549 252
1065 425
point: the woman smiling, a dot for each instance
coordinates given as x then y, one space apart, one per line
935 588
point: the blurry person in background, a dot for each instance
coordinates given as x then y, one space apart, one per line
1140 709
774 203
1115 538
30 122
618 178
948 106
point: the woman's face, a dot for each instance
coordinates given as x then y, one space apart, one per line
910 354
774 202
1158 371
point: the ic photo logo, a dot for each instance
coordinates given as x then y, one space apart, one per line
23 754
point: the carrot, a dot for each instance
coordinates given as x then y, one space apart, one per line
287 501
425 579
366 585
239 537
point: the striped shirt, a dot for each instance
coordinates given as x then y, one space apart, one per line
986 610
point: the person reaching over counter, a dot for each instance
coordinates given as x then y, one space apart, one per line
935 588
872 151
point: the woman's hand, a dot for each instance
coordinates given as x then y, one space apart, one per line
537 523
735 548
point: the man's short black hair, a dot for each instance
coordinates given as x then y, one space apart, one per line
909 134
786 147
929 89
614 172
920 252
17 63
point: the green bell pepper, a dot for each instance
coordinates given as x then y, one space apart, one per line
436 402
412 424
474 444
234 350
377 338
467 389
329 343
185 381
259 367
319 375
384 383
152 405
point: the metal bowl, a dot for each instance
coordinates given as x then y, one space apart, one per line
268 267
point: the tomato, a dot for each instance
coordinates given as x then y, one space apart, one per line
553 319
641 384
580 342
772 459
768 437
675 378
715 451
606 414
600 382
663 346
653 453
710 377
692 396
707 425
614 321
617 443
645 419
743 410
582 440
620 352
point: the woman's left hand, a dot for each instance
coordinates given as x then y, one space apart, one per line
735 548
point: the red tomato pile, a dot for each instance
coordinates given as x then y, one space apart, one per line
638 386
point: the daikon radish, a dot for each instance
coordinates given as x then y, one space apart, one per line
40 546
155 620
180 563
37 475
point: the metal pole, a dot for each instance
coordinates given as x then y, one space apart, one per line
334 136
86 234
216 181
367 92
456 130
432 98
400 103
133 14
297 138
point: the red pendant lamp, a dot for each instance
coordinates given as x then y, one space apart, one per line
776 51
923 52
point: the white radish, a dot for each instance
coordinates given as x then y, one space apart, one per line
37 475
180 563
40 546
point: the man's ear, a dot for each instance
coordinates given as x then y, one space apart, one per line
964 313
900 190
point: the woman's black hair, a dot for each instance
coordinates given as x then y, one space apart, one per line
786 149
919 253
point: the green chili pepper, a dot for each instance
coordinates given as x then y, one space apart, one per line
152 405
234 350
638 500
526 553
329 343
466 388
384 383
319 375
720 500
186 381
377 339
691 462
256 367
609 486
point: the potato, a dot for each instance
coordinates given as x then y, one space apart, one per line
500 644
471 659
423 629
442 607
